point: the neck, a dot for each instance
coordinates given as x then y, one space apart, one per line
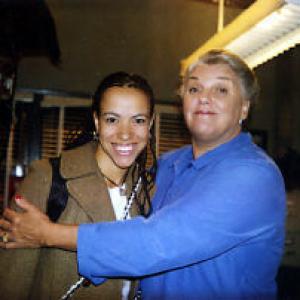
112 183
200 147
113 175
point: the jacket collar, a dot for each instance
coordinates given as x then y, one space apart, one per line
78 162
86 184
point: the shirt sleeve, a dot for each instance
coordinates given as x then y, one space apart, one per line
238 203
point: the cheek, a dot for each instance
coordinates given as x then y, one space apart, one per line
221 104
226 106
236 108
105 132
187 106
143 135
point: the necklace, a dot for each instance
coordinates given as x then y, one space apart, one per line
110 180
121 186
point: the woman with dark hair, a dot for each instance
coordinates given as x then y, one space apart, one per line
218 221
106 179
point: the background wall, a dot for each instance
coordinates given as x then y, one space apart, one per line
97 37
150 37
278 109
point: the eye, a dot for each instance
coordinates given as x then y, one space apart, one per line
192 90
110 120
140 120
221 90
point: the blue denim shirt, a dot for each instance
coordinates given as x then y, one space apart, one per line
216 232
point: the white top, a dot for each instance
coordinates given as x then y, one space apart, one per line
119 203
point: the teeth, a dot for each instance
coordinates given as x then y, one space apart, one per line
124 148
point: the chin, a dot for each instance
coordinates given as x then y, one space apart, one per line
204 133
124 164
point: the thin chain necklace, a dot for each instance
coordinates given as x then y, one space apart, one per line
121 185
83 281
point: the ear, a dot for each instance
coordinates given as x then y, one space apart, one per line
96 121
245 109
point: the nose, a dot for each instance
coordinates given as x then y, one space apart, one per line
125 131
203 97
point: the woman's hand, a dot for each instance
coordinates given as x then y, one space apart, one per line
27 229
32 229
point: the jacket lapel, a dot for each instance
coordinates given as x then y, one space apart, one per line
92 196
85 183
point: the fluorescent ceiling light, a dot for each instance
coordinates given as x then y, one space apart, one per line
264 30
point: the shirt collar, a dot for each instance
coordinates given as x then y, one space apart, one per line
186 158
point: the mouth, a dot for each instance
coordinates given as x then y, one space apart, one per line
124 150
204 112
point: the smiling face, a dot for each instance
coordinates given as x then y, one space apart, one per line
213 105
123 127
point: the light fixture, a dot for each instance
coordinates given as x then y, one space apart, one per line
264 30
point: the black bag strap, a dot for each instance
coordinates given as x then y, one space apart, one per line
58 195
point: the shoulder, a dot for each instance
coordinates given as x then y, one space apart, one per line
79 161
40 168
170 157
80 151
251 165
254 156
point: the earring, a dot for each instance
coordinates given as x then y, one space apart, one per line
95 136
149 130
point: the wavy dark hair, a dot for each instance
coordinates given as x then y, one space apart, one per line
139 168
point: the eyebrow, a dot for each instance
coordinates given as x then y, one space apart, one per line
219 77
109 113
118 115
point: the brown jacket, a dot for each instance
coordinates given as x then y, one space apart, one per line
46 274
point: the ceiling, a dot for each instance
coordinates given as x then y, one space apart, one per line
231 3
27 29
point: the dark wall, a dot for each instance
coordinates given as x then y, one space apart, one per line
151 37
97 37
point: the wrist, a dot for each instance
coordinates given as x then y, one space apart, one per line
48 233
62 236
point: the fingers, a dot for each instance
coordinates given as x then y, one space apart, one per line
2 245
5 225
22 229
24 204
9 215
8 241
17 245
13 216
5 228
10 245
4 238
6 234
